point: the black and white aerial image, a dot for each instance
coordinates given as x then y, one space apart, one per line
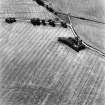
52 52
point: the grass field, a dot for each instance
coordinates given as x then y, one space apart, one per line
93 9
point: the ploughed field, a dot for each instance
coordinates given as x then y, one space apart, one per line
35 69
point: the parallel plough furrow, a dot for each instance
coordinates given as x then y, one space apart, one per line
38 70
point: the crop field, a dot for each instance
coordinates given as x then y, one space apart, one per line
35 69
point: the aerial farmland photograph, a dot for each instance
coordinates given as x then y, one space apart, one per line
52 52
